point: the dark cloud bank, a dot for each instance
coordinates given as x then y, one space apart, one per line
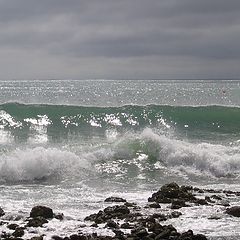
119 39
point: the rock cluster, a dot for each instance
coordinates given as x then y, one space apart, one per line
127 220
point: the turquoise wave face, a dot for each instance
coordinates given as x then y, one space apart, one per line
64 120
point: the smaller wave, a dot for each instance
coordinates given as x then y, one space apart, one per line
202 158
39 163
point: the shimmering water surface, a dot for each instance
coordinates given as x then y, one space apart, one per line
70 143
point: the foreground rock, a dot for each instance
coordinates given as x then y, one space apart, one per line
234 211
172 191
118 211
41 211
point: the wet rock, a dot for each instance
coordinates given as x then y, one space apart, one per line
41 211
19 232
199 237
216 197
178 203
201 201
75 237
171 191
55 237
126 226
37 222
112 224
37 238
1 212
12 226
153 205
139 232
128 204
175 214
117 211
234 211
224 203
115 199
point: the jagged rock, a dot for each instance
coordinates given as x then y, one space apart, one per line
1 212
234 211
115 199
117 211
41 211
112 224
19 232
36 222
171 191
12 226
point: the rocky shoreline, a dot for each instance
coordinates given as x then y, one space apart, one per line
126 220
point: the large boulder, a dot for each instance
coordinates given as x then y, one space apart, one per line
41 211
171 191
234 211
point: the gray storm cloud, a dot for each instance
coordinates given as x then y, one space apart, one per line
119 39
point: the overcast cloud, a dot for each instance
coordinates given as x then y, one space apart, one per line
116 39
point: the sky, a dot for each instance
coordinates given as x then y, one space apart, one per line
119 39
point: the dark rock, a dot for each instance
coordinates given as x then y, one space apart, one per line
171 191
112 224
159 216
19 232
178 203
216 197
153 205
1 212
36 222
58 216
115 199
139 232
224 203
55 237
75 237
128 204
199 237
41 211
208 199
175 214
234 211
117 211
201 202
12 226
37 238
187 235
126 226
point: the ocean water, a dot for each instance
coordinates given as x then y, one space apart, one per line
69 144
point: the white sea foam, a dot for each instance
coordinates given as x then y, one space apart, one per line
38 163
202 158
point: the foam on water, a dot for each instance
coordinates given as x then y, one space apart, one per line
38 163
146 150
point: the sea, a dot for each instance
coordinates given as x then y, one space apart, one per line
69 144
